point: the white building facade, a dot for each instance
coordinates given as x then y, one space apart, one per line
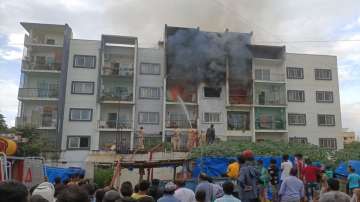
95 95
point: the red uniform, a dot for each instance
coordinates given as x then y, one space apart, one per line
310 173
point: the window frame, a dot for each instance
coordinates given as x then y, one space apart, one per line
91 114
288 97
79 147
323 79
295 68
326 115
298 140
262 74
321 140
206 97
247 124
85 67
149 123
152 63
74 82
151 98
324 95
297 124
210 122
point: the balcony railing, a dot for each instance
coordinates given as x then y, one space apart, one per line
270 124
112 71
115 124
113 95
181 123
42 122
273 77
27 65
147 143
41 41
38 93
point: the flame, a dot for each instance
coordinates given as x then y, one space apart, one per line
176 91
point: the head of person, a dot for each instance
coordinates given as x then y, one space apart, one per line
46 190
89 188
170 188
351 169
66 181
333 184
13 191
285 157
38 198
99 195
260 162
293 172
136 188
298 156
272 161
231 161
212 126
144 186
241 159
111 196
203 177
180 183
126 189
200 196
228 187
57 180
155 182
248 155
73 193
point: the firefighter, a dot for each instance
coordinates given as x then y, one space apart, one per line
141 139
176 140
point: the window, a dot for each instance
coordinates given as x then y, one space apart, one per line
238 120
323 74
212 92
40 60
262 74
84 61
150 68
50 41
82 87
324 97
297 119
326 120
149 118
296 96
149 92
298 140
329 143
78 142
77 114
295 73
212 117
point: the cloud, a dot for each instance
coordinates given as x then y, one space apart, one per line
10 54
8 101
351 116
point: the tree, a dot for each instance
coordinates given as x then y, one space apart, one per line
33 146
3 125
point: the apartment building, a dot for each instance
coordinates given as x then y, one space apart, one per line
95 95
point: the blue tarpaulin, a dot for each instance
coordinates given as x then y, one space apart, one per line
341 170
217 166
63 173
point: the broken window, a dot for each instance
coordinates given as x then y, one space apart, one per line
212 92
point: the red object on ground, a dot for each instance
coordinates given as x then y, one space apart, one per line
310 173
248 153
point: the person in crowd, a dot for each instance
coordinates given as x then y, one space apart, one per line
46 190
37 198
155 191
176 139
353 180
356 196
310 174
263 180
299 164
292 188
182 193
135 194
58 185
66 182
274 179
333 194
169 191
233 169
210 134
143 190
99 195
248 178
207 187
200 196
74 179
11 191
73 193
228 188
126 191
111 196
90 188
286 166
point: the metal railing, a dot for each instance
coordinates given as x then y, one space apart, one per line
239 99
38 92
112 95
270 125
171 123
112 71
33 40
27 65
147 142
42 122
275 77
115 124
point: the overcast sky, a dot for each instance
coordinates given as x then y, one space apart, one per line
271 21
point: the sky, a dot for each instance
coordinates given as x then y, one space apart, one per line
292 23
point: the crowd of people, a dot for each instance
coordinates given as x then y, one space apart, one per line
247 181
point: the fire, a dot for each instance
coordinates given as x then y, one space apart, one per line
176 91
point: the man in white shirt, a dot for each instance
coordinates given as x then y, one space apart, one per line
228 188
286 166
182 193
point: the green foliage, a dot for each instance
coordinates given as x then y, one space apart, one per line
103 175
3 125
33 147
350 152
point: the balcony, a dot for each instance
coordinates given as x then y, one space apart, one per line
183 123
267 76
116 95
41 41
43 122
118 71
38 94
270 94
114 125
270 119
147 143
33 67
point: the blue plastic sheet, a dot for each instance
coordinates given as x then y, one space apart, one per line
63 173
341 170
